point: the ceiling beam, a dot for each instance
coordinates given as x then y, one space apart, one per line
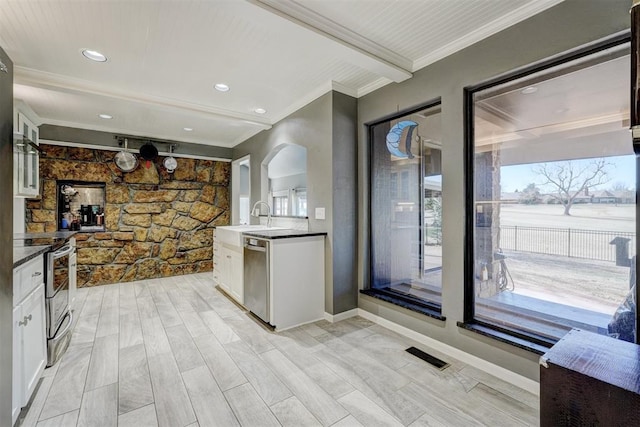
56 82
360 50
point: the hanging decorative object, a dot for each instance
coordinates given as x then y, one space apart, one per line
170 163
394 135
125 160
148 152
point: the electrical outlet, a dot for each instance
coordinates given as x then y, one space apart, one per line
319 213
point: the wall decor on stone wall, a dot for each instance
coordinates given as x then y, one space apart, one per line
158 223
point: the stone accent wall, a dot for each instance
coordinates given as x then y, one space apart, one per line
157 224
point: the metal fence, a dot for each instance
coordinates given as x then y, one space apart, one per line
588 244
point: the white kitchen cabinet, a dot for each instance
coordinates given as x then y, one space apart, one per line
34 345
236 275
229 269
223 269
296 271
26 170
216 259
29 333
16 403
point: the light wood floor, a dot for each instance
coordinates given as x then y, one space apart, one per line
176 352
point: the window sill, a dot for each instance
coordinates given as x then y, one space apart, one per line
428 309
508 337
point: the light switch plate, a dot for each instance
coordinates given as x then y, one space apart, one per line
319 213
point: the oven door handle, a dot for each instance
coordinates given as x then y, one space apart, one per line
63 252
64 331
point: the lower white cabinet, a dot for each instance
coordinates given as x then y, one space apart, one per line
228 270
236 275
296 271
33 342
16 402
29 335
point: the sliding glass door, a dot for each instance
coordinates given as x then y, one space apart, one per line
406 207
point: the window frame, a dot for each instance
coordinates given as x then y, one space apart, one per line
431 309
517 337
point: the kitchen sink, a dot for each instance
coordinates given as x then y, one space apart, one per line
232 234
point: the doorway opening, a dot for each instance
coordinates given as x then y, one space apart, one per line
241 190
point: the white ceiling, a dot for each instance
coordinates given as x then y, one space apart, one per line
165 56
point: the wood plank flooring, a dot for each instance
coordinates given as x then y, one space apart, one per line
177 352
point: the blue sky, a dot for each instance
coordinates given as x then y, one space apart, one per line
517 177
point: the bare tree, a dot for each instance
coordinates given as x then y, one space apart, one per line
570 179
530 195
620 186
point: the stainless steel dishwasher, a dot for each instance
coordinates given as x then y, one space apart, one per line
256 277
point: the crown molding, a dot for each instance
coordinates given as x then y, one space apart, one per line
362 51
497 25
373 86
57 82
339 87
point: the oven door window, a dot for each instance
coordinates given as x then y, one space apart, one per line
61 273
58 307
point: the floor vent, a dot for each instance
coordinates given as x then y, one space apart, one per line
427 358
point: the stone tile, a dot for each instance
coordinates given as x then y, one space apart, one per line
100 407
142 417
249 408
208 402
134 387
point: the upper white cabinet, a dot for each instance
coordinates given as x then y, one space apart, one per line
26 174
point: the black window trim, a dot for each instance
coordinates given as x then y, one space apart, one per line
532 342
430 308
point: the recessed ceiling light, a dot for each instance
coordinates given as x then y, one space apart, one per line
105 116
260 110
188 129
529 90
221 87
94 55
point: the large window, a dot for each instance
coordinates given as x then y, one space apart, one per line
406 214
552 209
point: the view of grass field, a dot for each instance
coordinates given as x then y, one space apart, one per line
590 284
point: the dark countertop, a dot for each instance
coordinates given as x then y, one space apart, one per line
55 239
23 254
27 246
53 235
282 234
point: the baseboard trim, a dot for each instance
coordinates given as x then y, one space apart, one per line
341 316
490 368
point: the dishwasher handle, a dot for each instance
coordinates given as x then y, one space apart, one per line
255 248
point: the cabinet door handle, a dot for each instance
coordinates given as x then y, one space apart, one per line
37 273
25 320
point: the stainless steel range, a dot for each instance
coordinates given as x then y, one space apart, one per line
59 317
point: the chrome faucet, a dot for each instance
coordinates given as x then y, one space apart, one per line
255 211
